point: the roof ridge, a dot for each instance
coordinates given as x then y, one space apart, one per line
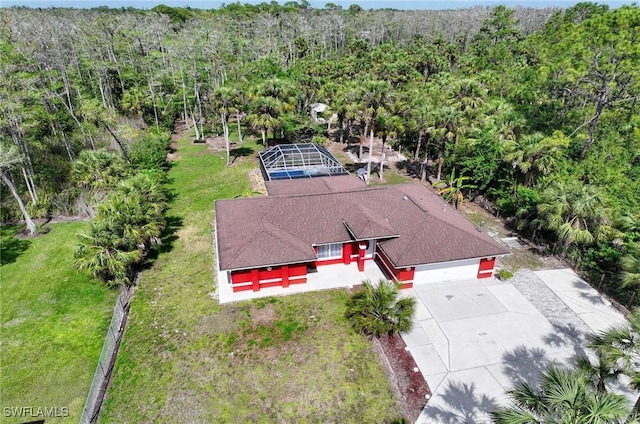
358 190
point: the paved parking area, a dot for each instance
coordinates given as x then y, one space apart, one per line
474 339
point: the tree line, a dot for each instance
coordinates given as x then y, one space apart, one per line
533 109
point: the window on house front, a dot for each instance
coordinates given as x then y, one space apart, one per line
330 251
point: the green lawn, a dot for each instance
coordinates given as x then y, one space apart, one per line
187 359
54 321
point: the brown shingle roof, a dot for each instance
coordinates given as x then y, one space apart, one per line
416 225
331 184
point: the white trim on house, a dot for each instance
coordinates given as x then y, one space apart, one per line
446 271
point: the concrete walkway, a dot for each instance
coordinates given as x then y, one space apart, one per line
475 339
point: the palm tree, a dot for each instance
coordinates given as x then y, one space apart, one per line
468 96
630 264
10 157
452 188
573 211
377 310
389 125
99 254
125 227
98 169
622 344
420 118
604 370
223 98
373 98
448 126
535 154
265 115
563 396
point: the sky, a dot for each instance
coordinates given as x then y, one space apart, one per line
366 4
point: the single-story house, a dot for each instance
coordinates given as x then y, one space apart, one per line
302 225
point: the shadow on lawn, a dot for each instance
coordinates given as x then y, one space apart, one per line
240 152
464 405
11 247
169 235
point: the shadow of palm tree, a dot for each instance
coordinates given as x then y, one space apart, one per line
524 364
587 293
567 335
240 152
463 405
11 247
168 236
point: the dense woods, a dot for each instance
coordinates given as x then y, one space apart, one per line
534 111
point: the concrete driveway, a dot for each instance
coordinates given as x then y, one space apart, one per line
475 339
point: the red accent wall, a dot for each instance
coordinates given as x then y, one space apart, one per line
485 269
256 279
346 253
402 275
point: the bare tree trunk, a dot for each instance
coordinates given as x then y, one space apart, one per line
68 146
104 100
184 103
195 125
425 162
75 118
362 143
440 161
417 153
382 160
30 185
153 101
593 124
239 131
264 137
199 106
370 153
31 226
124 151
225 130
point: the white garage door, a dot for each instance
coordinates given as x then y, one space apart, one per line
447 271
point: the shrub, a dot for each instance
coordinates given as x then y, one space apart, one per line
377 310
504 274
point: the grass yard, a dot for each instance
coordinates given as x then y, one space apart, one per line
54 321
187 359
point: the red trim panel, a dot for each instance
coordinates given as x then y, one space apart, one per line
485 269
402 275
255 279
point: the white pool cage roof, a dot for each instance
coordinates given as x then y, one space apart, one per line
290 161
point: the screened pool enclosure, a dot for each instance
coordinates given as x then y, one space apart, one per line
290 161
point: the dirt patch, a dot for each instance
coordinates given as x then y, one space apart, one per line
217 144
524 253
173 149
257 182
265 315
409 385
